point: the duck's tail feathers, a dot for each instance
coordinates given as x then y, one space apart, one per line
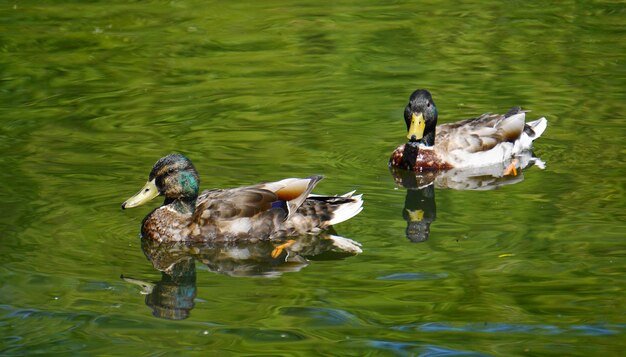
535 128
333 209
347 209
532 131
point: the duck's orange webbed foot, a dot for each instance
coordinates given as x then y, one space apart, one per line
511 170
279 249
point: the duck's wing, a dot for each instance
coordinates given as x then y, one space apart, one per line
483 133
286 195
293 191
233 203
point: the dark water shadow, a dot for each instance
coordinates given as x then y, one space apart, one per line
173 296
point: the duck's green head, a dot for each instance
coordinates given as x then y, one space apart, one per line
174 177
420 116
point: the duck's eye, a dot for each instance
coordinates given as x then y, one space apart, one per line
428 104
171 170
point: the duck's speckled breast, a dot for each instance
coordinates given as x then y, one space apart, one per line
165 224
396 157
427 160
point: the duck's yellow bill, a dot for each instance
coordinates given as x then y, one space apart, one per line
147 193
416 130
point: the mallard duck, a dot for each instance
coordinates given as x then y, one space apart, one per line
484 141
265 211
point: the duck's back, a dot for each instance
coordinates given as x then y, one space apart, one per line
271 210
480 134
487 140
249 213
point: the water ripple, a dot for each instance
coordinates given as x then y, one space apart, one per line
535 329
322 316
414 276
422 350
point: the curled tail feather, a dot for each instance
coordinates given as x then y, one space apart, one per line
348 209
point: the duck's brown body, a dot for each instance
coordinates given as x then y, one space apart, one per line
242 214
483 141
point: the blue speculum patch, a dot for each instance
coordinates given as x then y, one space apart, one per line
280 204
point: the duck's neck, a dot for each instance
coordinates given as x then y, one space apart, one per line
182 205
429 138
409 155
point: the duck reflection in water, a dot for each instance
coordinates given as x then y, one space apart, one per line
173 296
419 212
420 209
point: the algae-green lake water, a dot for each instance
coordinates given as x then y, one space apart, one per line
93 93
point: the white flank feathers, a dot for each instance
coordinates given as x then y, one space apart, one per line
347 210
502 152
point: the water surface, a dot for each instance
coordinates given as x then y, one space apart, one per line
94 93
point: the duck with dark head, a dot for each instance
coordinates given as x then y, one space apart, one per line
264 211
488 140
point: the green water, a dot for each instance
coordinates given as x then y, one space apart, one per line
93 93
